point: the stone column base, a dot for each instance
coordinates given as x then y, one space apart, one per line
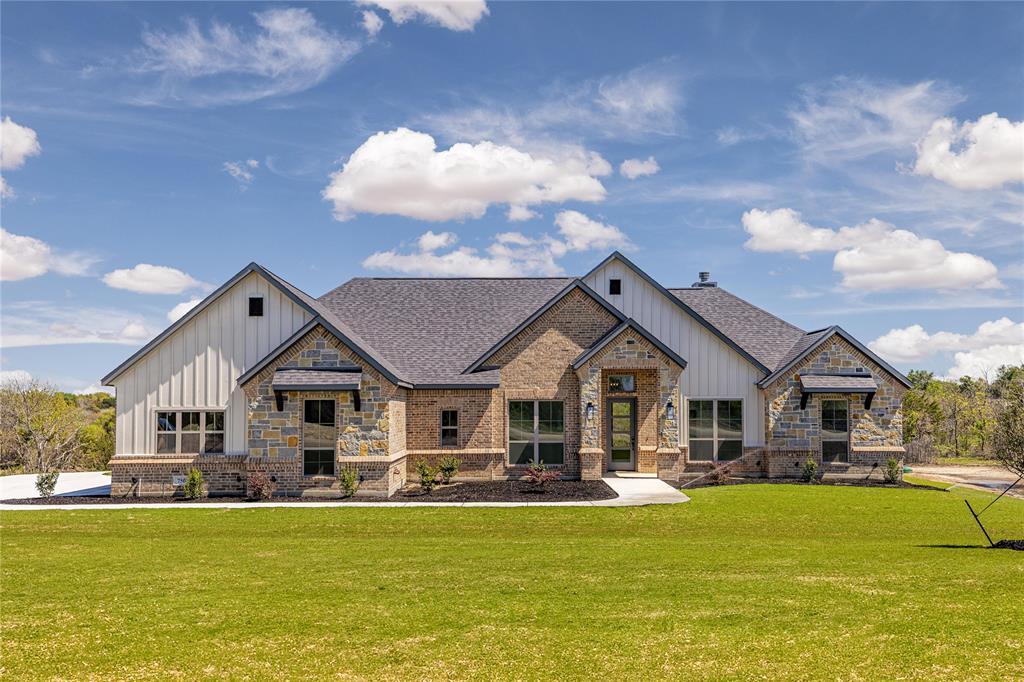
591 463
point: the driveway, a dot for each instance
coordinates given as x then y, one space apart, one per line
990 478
70 484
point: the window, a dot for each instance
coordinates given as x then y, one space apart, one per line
614 287
449 428
716 430
835 430
255 306
536 431
319 438
621 383
189 432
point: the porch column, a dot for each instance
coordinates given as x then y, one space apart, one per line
668 453
591 452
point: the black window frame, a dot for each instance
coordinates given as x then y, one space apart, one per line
622 385
320 461
733 446
449 428
615 287
543 432
255 306
829 418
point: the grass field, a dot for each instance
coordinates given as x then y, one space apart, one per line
750 582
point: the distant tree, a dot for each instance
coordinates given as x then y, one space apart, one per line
40 430
920 378
1008 438
98 441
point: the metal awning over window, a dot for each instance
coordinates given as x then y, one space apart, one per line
316 379
837 383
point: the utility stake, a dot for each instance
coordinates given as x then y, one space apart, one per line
991 544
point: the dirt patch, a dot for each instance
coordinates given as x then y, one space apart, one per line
483 491
1010 544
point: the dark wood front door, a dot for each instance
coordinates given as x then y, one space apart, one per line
621 430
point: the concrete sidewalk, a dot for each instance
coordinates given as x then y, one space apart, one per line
632 492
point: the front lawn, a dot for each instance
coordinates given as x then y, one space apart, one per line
753 581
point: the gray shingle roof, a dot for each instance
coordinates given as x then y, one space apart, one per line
433 329
316 379
763 335
839 383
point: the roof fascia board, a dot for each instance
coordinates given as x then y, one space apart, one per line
680 304
638 328
575 284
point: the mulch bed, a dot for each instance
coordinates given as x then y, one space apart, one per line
862 483
483 491
1010 544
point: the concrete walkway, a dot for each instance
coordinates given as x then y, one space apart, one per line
632 492
75 483
990 479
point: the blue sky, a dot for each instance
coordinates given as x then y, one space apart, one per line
855 164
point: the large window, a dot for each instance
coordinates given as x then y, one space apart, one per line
536 431
716 430
189 432
835 430
319 438
449 428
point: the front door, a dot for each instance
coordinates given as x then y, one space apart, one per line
622 434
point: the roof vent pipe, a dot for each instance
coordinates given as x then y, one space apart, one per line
704 280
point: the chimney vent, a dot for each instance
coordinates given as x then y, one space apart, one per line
704 280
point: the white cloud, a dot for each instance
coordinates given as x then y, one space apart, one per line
242 171
872 256
17 143
518 214
456 15
289 52
581 233
372 23
913 343
93 388
634 168
23 257
18 376
510 254
401 173
984 362
152 279
39 323
178 311
855 118
982 154
6 191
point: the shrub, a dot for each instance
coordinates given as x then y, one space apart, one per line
892 471
449 468
46 482
809 471
428 476
348 482
260 486
538 474
194 484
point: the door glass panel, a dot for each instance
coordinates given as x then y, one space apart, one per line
621 409
622 440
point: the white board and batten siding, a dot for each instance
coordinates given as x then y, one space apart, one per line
713 370
197 366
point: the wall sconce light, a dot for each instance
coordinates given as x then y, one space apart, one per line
590 411
670 410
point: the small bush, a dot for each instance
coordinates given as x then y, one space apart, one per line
448 467
46 482
260 486
892 471
428 476
194 484
538 474
809 471
348 482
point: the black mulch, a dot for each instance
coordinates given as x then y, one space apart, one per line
483 491
1010 544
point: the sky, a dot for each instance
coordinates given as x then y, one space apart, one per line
854 164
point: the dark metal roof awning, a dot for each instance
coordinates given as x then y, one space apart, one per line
316 379
837 383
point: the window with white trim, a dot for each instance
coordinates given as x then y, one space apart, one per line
189 432
715 430
536 431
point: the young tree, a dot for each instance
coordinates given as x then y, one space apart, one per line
1008 439
39 429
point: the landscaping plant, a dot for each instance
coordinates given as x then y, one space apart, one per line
892 471
538 474
809 471
428 476
348 482
46 482
260 486
448 467
193 487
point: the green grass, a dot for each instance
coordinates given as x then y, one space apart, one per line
969 461
917 480
745 582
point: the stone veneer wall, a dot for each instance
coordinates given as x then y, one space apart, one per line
876 434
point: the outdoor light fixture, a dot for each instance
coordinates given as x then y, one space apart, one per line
670 410
590 411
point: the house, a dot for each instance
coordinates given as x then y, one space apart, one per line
605 372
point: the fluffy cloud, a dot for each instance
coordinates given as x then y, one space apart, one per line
24 257
634 168
984 362
6 191
152 279
517 214
855 118
372 23
872 256
510 254
17 143
178 311
15 376
289 52
991 152
241 171
913 343
456 15
39 323
401 172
